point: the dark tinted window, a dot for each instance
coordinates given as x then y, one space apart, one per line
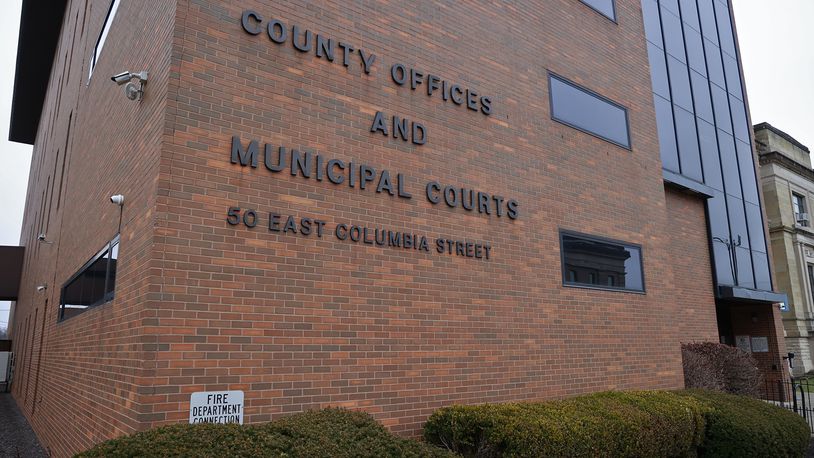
754 220
714 65
695 51
689 14
733 76
738 110
667 136
688 144
652 22
729 164
720 104
680 83
591 261
606 7
737 220
719 228
709 155
747 167
763 279
706 13
700 94
673 36
745 275
671 5
93 285
582 109
658 71
724 28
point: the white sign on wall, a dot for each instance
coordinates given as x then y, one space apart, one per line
744 343
216 407
760 344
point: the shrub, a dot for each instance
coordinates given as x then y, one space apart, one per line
715 366
328 432
631 424
738 426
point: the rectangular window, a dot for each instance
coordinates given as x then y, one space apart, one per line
811 281
94 284
600 263
606 8
100 42
587 111
798 202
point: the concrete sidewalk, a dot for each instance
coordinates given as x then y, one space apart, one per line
16 437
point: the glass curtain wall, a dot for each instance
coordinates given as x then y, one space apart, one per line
704 134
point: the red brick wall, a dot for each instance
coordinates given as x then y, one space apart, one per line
760 321
693 290
77 381
300 322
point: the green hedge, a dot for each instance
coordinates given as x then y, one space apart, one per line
322 433
740 426
630 424
635 424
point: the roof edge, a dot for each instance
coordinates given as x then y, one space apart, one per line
781 134
40 27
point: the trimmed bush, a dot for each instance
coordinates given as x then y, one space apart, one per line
634 424
327 432
738 426
715 366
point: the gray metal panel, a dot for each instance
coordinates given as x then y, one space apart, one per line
11 271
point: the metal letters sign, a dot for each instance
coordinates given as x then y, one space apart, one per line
216 407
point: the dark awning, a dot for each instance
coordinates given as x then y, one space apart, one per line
11 270
40 25
748 295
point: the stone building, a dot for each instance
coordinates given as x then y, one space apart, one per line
788 187
391 207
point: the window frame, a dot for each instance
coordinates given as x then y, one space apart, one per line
628 146
100 41
810 271
613 6
596 238
798 200
106 296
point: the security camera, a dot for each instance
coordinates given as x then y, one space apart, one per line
132 90
141 76
42 288
41 237
122 78
117 199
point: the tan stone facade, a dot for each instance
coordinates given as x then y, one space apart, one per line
788 187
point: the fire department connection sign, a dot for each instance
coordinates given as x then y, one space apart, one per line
216 407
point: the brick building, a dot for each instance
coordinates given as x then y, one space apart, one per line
390 207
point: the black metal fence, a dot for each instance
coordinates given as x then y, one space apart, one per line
793 394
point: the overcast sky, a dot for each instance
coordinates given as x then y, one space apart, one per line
775 42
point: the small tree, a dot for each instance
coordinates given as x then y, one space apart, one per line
716 366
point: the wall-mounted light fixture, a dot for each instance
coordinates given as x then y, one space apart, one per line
41 238
118 199
42 287
132 90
